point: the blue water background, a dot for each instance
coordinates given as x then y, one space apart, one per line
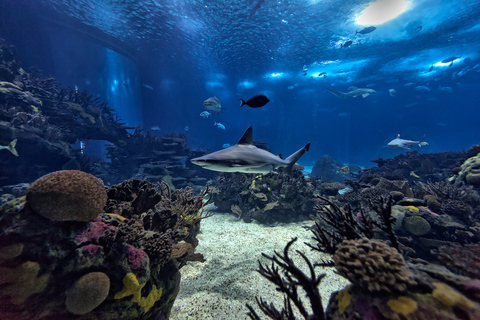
188 51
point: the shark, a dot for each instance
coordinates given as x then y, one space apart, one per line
402 143
245 157
364 92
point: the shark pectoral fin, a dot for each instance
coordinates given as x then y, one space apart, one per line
365 95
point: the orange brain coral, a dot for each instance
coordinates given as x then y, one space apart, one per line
67 195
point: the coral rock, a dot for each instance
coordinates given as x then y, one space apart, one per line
67 195
87 293
372 265
416 225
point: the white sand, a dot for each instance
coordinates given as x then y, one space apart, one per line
220 287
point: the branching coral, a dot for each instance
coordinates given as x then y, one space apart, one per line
289 284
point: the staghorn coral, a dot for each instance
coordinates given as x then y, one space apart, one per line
373 265
67 195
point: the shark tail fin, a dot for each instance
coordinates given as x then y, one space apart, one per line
421 142
242 102
337 93
11 147
294 158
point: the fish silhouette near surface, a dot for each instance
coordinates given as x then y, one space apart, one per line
364 92
346 44
402 143
213 104
366 30
257 101
245 157
11 147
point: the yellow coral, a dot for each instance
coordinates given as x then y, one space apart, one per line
450 297
252 186
132 286
412 209
343 298
116 216
403 305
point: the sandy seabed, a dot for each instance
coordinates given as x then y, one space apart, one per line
220 287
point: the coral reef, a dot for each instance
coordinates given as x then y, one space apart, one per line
383 287
266 198
121 264
373 265
67 195
46 118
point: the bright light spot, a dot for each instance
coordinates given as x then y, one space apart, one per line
115 82
245 85
275 75
381 11
444 64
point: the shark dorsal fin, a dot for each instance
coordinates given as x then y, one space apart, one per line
398 136
247 137
280 156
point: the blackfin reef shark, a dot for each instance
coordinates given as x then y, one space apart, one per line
402 143
364 92
245 157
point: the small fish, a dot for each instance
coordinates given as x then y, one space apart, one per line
147 86
364 92
205 114
155 128
344 169
213 104
187 128
446 89
431 68
366 30
257 101
322 74
418 29
422 88
392 92
11 147
290 87
372 84
226 145
344 114
221 126
408 84
413 174
346 44
451 59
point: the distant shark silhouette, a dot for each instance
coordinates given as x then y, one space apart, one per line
246 158
364 92
402 143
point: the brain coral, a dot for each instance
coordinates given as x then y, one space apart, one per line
87 293
372 265
67 195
